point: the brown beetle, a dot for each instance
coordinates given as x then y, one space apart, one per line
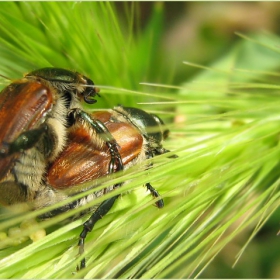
48 144
33 127
86 157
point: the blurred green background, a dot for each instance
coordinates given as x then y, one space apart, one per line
148 42
202 33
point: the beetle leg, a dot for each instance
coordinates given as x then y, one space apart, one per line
155 194
102 210
24 141
111 143
153 191
98 214
105 135
116 160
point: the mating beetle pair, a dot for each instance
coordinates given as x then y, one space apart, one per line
48 144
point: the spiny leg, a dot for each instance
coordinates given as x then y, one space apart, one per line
153 191
116 160
104 134
102 210
24 141
155 194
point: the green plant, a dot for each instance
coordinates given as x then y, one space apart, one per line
224 127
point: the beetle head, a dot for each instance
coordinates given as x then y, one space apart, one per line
150 126
67 82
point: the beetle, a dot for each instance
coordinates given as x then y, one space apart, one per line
137 135
33 127
44 131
